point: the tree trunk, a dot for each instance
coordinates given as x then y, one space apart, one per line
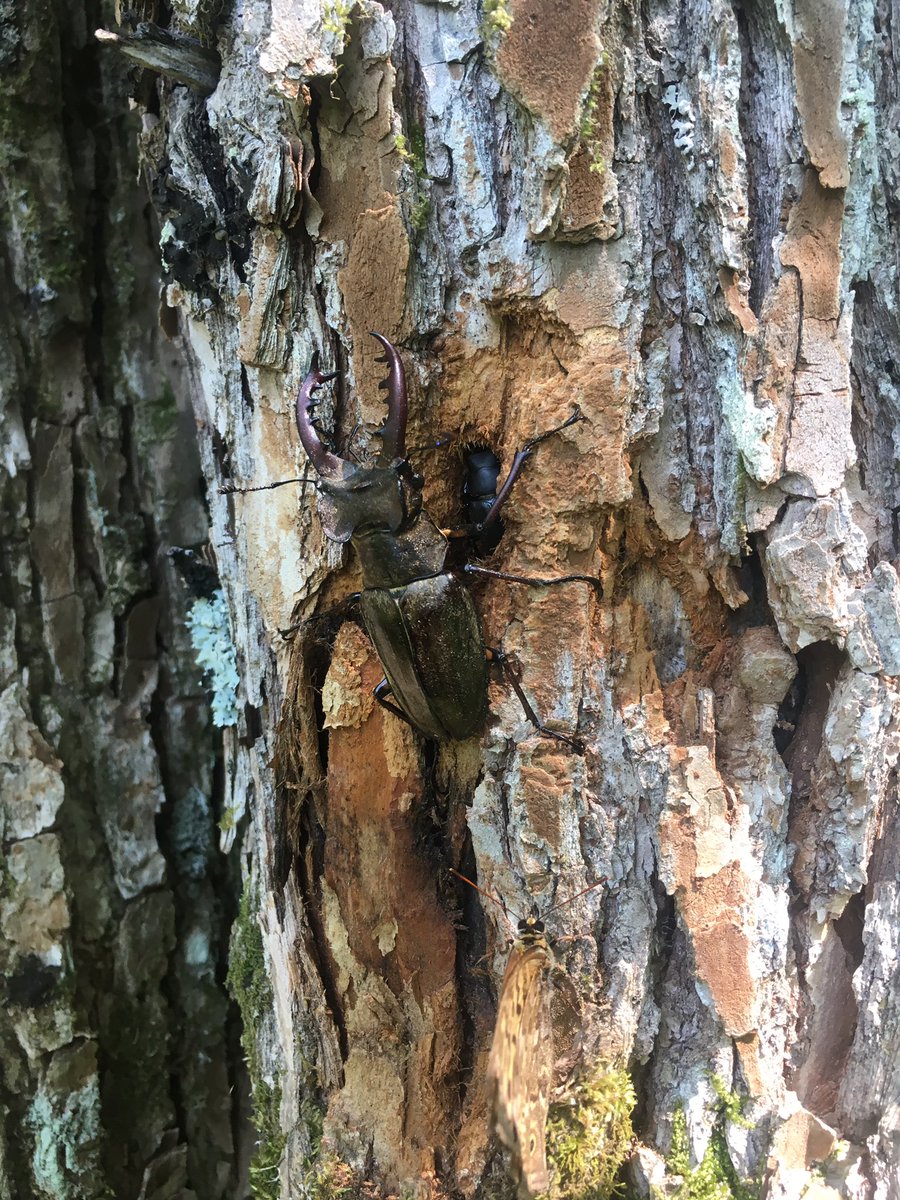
122 1073
681 218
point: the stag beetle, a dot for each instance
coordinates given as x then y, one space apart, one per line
418 613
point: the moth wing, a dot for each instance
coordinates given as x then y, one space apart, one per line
567 1026
519 1066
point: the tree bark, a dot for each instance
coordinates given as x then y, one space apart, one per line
683 219
122 1073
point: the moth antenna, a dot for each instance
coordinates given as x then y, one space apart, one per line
562 904
488 895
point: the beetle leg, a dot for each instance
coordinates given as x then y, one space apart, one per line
342 609
533 580
521 457
384 689
502 661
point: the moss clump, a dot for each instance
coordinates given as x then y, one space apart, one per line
264 1169
161 416
250 986
497 18
587 128
715 1178
336 16
330 1179
321 1178
412 150
589 1137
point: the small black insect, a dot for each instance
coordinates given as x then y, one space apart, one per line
482 470
417 611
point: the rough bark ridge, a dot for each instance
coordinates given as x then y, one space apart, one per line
115 1033
683 218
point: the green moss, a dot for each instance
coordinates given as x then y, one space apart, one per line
715 1178
321 1177
336 16
51 257
160 415
419 213
731 1105
249 983
264 1169
497 19
589 1137
412 150
330 1179
587 129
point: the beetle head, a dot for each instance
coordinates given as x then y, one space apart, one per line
386 496
366 499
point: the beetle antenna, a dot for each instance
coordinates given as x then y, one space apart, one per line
506 911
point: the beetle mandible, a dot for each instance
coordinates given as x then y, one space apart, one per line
418 613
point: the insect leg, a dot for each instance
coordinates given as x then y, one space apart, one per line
345 608
503 662
384 689
521 457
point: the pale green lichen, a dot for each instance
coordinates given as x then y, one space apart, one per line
752 424
589 1136
66 1129
214 651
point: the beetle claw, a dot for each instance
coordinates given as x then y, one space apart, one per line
320 455
321 382
395 385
